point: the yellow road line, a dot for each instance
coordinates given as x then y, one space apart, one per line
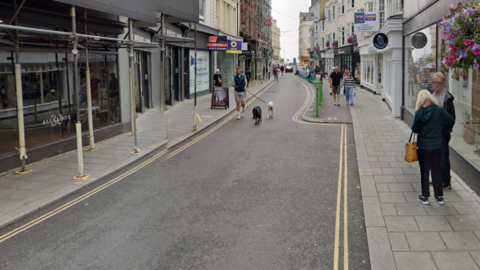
215 128
339 194
79 199
345 204
295 117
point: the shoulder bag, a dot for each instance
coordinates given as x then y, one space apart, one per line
411 150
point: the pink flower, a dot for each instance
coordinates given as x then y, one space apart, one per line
477 8
452 5
476 52
467 42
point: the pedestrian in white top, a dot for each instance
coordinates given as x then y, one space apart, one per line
349 85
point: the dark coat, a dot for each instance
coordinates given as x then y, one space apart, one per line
215 79
450 108
429 124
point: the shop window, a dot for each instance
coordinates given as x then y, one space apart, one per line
381 12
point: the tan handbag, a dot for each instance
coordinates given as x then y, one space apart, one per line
411 150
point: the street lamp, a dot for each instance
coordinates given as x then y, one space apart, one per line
244 25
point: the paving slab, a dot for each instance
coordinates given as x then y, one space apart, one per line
425 241
466 240
454 260
414 260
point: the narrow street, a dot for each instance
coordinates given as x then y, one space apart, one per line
235 196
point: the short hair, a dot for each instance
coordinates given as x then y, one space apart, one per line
440 75
218 70
424 96
239 68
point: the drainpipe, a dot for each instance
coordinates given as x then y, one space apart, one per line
162 77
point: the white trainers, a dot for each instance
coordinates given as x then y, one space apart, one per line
243 112
239 116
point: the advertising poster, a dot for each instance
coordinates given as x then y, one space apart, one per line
203 72
366 22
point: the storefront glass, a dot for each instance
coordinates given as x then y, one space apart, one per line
225 62
420 66
49 111
357 73
368 71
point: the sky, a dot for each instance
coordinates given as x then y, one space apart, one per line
286 13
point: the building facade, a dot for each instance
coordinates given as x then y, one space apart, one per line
306 20
276 34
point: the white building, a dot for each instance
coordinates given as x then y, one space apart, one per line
380 68
306 20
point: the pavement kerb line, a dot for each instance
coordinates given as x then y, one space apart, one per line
304 121
250 101
79 199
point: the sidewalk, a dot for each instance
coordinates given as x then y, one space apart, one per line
51 179
402 232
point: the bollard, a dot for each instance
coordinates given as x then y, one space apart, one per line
317 101
80 175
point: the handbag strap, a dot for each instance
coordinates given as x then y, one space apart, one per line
413 134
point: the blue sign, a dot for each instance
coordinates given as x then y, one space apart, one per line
294 61
234 47
359 17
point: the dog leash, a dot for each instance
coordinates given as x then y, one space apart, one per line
256 96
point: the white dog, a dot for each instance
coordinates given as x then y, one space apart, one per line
270 109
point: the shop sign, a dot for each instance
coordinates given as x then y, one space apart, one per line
138 38
234 47
365 22
56 120
380 41
247 52
345 50
217 43
203 74
419 40
267 22
97 57
330 54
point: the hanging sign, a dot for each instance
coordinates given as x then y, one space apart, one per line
419 40
365 22
380 41
267 22
234 47
217 43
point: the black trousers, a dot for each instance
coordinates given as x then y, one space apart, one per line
429 161
445 160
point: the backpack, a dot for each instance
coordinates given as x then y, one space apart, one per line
219 80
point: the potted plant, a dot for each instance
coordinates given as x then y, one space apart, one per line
327 44
463 36
316 48
335 44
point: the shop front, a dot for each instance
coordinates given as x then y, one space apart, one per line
329 60
425 52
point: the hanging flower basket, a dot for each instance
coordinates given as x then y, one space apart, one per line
316 48
335 44
463 35
352 39
327 44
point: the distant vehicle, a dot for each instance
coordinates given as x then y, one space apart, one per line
289 67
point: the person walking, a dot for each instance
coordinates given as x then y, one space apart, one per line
217 78
429 123
349 85
114 97
240 86
445 101
330 80
282 68
275 73
95 88
336 79
248 74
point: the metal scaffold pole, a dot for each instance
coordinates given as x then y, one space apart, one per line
132 93
89 91
195 87
163 103
78 124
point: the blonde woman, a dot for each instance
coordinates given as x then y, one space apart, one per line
429 122
349 85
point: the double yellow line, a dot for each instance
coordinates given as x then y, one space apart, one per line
342 163
216 127
79 199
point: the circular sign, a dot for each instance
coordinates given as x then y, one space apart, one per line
234 44
419 40
380 41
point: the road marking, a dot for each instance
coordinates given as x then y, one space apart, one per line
345 207
79 199
337 215
216 127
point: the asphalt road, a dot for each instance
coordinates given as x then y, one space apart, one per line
241 197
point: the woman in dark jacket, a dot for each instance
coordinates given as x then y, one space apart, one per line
429 122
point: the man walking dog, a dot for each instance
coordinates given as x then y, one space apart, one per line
240 87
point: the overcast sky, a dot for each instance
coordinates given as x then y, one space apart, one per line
289 9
